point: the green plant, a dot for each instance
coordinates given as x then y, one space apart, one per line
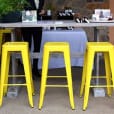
7 6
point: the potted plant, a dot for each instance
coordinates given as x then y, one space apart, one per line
10 10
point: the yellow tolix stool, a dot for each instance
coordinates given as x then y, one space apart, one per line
108 51
53 47
7 49
2 31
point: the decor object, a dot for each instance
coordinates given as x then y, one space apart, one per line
29 16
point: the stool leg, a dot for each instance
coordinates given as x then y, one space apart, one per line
90 59
7 72
108 73
0 42
29 62
69 77
4 73
28 76
111 56
44 77
83 75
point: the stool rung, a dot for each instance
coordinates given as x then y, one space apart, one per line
15 84
57 76
101 86
56 85
16 76
99 77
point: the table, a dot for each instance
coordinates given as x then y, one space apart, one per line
77 39
54 23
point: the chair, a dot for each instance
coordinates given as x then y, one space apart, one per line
97 47
53 47
7 49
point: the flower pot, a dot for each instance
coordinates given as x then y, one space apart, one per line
11 17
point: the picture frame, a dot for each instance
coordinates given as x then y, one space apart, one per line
29 16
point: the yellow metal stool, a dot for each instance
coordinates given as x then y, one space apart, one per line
97 47
7 49
52 47
2 31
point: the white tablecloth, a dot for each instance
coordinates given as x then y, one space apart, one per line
77 39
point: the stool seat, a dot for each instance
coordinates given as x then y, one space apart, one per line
5 31
2 31
107 49
56 46
53 47
23 49
15 46
99 46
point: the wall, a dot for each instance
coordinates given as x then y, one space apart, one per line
80 6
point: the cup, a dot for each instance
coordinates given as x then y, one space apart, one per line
95 17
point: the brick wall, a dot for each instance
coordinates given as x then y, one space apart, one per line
81 6
78 6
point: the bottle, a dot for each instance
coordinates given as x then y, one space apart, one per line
48 12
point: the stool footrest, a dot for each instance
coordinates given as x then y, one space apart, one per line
57 76
14 76
15 84
56 85
101 86
98 77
